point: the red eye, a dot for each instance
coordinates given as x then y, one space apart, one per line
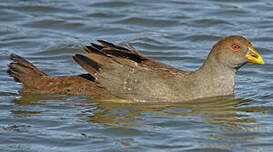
235 47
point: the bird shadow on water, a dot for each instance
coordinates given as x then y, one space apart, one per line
231 115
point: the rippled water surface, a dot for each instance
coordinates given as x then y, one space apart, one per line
176 32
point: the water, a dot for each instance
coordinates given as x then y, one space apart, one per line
176 32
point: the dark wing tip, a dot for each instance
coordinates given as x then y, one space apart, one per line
87 64
107 44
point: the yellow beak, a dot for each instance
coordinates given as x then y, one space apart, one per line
253 56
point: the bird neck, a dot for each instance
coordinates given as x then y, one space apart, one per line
219 79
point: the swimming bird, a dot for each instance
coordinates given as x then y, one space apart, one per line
115 72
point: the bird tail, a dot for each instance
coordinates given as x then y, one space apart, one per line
22 70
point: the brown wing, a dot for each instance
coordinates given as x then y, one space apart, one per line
126 73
